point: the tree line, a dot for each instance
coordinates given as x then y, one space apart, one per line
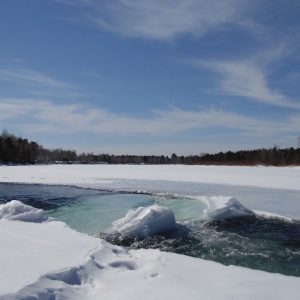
16 150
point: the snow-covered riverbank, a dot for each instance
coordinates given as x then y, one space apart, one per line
44 259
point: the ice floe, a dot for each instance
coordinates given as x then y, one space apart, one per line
146 221
221 208
16 210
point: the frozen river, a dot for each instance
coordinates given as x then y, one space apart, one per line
255 242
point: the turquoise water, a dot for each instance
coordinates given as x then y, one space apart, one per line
94 213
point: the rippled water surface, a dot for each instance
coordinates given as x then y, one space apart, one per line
271 245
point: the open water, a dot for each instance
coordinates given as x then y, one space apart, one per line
271 245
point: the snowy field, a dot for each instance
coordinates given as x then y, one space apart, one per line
41 258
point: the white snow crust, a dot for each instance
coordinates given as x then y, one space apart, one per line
29 250
44 259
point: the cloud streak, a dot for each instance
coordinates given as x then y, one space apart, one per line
245 79
30 77
45 116
163 19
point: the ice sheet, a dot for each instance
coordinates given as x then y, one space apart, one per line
268 177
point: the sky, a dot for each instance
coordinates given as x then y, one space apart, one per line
151 77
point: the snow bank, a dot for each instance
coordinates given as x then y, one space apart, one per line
43 261
221 208
16 210
29 250
146 221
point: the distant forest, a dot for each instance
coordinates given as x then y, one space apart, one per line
16 150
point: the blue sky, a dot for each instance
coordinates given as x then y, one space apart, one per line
151 77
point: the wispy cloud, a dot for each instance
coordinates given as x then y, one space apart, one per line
247 79
30 77
12 109
45 116
163 19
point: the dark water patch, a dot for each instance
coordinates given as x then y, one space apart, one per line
46 197
254 243
256 227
